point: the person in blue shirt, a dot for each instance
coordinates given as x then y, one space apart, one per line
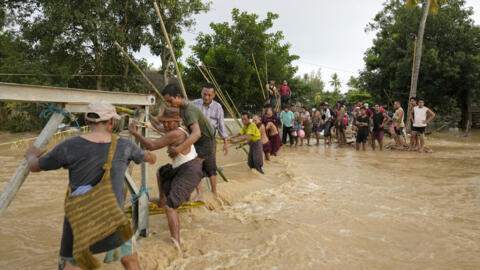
287 117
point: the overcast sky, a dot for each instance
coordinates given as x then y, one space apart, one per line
325 34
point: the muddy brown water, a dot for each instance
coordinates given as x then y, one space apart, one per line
315 208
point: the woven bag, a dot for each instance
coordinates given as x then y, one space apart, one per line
95 215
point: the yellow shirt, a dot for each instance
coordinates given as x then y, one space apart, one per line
253 131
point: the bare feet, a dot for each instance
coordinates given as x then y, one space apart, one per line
177 245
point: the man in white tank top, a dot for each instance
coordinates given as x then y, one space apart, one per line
176 181
420 122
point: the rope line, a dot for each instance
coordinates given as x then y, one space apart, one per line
139 194
52 108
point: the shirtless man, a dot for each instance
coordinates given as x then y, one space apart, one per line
328 119
420 122
272 132
317 125
340 125
176 181
398 125
272 94
413 104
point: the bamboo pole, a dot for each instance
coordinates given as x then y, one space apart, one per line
17 179
258 75
203 74
266 68
141 72
235 107
172 53
222 97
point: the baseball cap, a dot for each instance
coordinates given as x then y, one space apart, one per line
103 109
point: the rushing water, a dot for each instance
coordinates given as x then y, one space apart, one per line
315 208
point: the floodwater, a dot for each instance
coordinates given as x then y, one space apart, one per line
315 208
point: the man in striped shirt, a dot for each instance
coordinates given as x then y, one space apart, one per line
214 113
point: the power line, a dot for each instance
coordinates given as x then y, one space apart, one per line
59 75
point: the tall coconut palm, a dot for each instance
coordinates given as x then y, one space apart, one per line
429 6
335 82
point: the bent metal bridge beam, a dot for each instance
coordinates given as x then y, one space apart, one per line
75 100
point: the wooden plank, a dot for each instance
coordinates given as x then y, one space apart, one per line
35 93
17 179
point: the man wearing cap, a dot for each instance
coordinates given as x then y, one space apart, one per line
176 180
84 156
214 113
201 133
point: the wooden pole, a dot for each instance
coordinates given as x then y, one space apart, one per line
17 179
172 53
258 75
141 72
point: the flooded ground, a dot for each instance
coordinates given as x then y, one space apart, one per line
315 208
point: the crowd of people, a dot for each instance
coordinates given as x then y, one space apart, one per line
191 130
367 126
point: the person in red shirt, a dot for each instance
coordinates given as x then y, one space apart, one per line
285 93
368 110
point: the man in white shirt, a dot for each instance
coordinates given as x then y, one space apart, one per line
215 115
420 122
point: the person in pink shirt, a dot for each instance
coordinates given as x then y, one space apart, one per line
285 92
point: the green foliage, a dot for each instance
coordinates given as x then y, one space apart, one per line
21 117
335 82
308 87
177 16
434 5
328 96
355 95
61 38
450 64
227 51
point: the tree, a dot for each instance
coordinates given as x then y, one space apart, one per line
429 6
335 82
177 16
73 37
355 93
450 66
227 52
54 39
308 87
